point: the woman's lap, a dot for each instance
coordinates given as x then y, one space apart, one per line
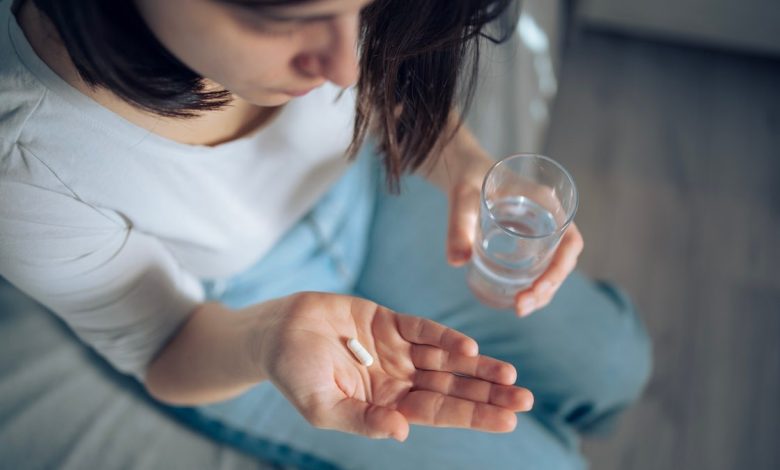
272 429
585 356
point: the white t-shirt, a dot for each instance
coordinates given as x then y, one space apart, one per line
113 227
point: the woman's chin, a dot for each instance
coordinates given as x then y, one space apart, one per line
267 99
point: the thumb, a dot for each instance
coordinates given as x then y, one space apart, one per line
374 421
463 217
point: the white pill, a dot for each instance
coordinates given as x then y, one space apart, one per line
360 352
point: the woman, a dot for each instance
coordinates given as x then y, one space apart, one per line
174 187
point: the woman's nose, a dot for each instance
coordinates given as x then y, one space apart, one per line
337 62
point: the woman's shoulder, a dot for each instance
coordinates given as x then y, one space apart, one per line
20 92
18 103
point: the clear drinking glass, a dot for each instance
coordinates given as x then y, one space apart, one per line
528 201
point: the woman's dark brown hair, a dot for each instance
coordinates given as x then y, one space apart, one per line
412 57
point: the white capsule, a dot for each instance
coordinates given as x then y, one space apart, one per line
360 352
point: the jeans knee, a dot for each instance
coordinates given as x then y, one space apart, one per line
630 356
627 368
618 369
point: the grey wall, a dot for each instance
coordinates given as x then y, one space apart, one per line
748 25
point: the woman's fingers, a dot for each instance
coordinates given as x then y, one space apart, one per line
359 417
505 396
480 367
563 263
435 409
419 330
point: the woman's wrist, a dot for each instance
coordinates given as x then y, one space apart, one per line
209 359
263 330
460 157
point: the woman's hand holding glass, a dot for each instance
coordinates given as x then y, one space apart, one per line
423 372
459 172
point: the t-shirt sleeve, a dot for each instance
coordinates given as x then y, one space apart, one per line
119 289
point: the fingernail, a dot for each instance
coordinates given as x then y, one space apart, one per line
527 306
529 402
471 349
544 287
457 257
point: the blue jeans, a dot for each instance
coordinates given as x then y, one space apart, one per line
585 356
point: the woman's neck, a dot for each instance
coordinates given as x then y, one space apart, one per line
211 128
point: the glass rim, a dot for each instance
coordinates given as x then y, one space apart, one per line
557 231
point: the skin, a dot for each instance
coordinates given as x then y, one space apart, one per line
412 378
424 373
259 58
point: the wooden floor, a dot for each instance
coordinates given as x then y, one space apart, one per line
676 152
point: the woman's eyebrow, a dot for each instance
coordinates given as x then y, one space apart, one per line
275 10
300 17
270 6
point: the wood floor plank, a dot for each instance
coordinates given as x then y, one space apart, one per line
676 152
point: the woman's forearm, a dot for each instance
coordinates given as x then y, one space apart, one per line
459 151
211 358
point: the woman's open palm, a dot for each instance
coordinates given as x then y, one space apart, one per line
423 372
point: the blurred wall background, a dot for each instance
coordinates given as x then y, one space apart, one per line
739 25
